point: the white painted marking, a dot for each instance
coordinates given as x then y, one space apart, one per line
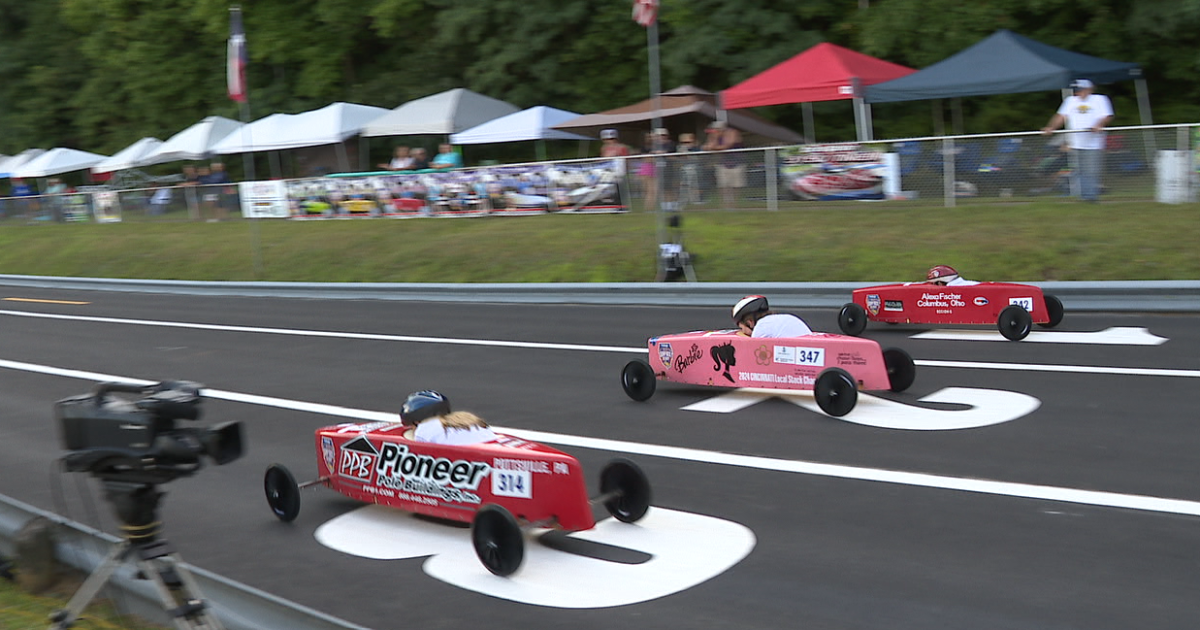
1083 369
1050 493
987 407
681 545
1118 336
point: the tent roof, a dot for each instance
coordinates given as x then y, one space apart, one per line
825 72
17 160
253 136
193 143
56 161
444 113
529 124
331 124
129 157
1002 63
684 102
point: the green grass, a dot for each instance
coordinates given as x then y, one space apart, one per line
22 611
1020 240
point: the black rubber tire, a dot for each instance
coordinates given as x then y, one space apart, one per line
1014 322
1054 310
901 369
498 540
625 477
852 319
836 392
638 380
283 495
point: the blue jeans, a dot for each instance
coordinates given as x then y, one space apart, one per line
1089 164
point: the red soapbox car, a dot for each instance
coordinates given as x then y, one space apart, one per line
833 367
499 487
1013 308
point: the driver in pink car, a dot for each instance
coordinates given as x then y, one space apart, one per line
754 318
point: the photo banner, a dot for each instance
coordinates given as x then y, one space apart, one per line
834 171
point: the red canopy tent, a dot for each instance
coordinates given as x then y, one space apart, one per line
825 72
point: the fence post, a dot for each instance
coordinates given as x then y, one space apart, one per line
948 170
772 180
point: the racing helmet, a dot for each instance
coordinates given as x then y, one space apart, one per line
608 134
423 405
749 305
942 273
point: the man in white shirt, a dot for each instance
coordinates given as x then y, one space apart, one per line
754 318
1087 114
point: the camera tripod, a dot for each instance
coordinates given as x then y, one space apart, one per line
136 504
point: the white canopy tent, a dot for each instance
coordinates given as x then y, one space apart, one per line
193 143
57 161
329 125
445 113
529 124
255 136
129 157
17 160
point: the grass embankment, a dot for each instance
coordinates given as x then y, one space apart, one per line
21 611
832 242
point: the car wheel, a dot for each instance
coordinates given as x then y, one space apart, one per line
499 542
836 392
283 495
638 380
1054 309
901 370
1014 322
631 487
853 319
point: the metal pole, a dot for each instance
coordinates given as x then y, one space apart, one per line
656 122
810 135
948 170
1143 99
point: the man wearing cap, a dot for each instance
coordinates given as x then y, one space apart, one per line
1087 114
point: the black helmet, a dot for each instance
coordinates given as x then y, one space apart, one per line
749 305
422 405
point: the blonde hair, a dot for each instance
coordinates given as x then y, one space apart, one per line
462 420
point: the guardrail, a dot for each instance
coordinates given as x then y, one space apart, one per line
1114 296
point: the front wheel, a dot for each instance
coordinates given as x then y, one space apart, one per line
283 495
852 319
1054 310
638 380
499 542
836 392
626 480
1014 322
901 370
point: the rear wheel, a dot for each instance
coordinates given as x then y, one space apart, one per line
499 542
638 380
836 392
853 319
901 370
1054 309
632 487
283 495
1014 322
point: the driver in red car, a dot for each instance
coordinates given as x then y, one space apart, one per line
754 318
428 417
945 275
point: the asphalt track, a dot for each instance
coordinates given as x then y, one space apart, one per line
857 544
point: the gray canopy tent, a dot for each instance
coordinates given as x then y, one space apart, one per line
1008 63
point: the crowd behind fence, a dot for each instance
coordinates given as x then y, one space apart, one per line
950 169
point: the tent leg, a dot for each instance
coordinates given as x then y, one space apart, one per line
1143 99
868 122
956 117
809 136
939 121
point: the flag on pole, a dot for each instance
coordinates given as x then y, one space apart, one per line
645 12
236 71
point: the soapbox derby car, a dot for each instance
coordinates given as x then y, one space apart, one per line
500 487
833 367
1013 308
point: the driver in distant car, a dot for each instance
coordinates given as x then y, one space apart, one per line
945 275
754 318
428 417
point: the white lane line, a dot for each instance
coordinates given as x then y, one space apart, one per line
982 486
1083 369
1121 335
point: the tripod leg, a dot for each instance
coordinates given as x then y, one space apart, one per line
90 587
177 589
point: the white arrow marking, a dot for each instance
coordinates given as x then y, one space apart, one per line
681 546
988 407
1117 336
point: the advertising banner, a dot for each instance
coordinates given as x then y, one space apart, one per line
264 200
834 171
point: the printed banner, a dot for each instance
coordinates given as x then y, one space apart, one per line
264 200
106 206
834 171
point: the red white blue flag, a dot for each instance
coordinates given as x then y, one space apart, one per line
236 71
645 12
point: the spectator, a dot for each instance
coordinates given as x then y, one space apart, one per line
689 169
419 160
215 181
446 159
730 170
1087 114
401 160
611 145
57 190
26 207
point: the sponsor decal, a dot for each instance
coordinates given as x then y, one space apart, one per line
358 459
438 477
762 356
778 379
665 354
327 452
873 304
981 301
683 361
724 357
363 427
1024 302
850 358
526 465
512 483
893 305
800 356
940 300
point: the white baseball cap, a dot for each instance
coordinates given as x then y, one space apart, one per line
1082 84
